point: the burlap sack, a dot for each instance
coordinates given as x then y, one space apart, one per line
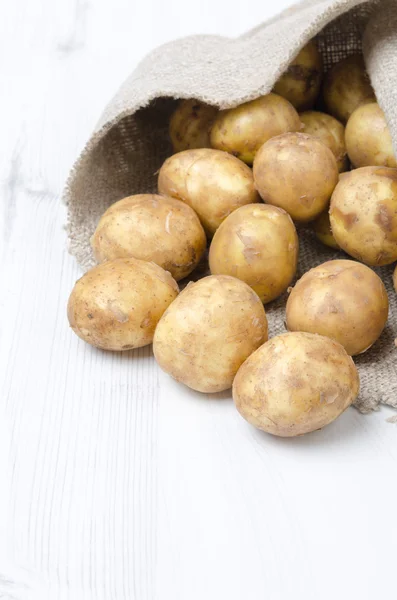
131 141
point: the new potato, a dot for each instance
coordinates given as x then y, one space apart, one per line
368 139
363 214
329 131
155 228
300 84
242 130
258 244
322 229
295 383
212 182
347 86
341 299
190 125
117 305
296 172
208 332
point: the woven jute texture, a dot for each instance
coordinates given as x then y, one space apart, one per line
130 141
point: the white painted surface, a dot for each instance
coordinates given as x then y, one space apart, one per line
116 483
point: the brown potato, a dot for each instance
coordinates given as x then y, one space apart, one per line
209 331
297 173
368 139
330 132
346 87
395 279
300 84
363 214
258 244
342 299
212 182
190 125
322 229
242 130
295 383
155 228
117 305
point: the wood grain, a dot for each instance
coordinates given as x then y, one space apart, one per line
117 483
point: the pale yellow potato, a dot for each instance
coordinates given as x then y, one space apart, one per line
150 227
363 214
368 138
190 125
322 229
258 244
296 172
209 331
346 87
212 182
295 383
117 305
342 299
300 84
242 130
329 131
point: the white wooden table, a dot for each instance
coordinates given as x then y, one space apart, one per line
115 482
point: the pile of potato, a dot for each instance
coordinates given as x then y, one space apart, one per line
247 180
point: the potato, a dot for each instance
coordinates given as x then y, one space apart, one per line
346 87
155 228
258 244
297 173
322 229
330 132
343 300
363 214
209 331
368 139
190 125
395 279
295 383
117 305
242 130
300 84
212 182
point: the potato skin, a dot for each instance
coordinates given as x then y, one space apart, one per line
395 279
347 86
300 84
322 229
343 300
242 130
117 305
363 214
368 139
329 131
212 182
296 172
208 332
155 228
190 125
295 383
258 244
